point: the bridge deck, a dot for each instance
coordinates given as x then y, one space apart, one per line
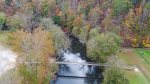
84 63
63 76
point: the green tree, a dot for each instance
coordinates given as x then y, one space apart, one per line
147 7
2 19
57 20
100 46
114 75
81 34
61 41
47 7
14 23
121 7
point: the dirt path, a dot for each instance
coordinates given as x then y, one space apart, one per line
7 59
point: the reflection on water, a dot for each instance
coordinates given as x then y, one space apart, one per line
76 74
73 70
76 81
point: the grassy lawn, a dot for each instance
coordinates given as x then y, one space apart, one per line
130 56
136 77
144 54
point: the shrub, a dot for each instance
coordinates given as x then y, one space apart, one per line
121 7
114 75
14 23
57 20
147 7
2 19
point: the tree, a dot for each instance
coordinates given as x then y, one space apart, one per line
100 46
36 51
138 25
47 7
14 23
61 41
121 7
30 14
114 75
81 33
109 26
57 20
95 15
2 19
147 6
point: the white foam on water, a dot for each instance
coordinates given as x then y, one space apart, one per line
76 70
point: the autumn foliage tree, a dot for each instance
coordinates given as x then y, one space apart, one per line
36 51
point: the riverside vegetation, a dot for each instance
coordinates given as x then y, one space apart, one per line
38 30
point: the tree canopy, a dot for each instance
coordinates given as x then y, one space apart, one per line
113 75
100 46
121 6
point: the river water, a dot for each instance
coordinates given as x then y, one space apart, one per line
76 74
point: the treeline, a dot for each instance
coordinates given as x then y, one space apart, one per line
128 18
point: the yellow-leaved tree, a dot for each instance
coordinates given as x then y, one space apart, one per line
36 51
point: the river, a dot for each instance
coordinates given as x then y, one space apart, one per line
77 74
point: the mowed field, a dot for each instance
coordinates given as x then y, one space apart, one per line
139 58
145 54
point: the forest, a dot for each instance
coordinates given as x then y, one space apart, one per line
40 30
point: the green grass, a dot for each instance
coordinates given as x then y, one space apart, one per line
136 77
131 57
144 54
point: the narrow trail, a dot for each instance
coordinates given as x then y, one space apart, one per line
7 59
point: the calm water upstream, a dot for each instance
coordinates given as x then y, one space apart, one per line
77 74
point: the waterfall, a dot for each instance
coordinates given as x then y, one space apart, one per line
75 70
